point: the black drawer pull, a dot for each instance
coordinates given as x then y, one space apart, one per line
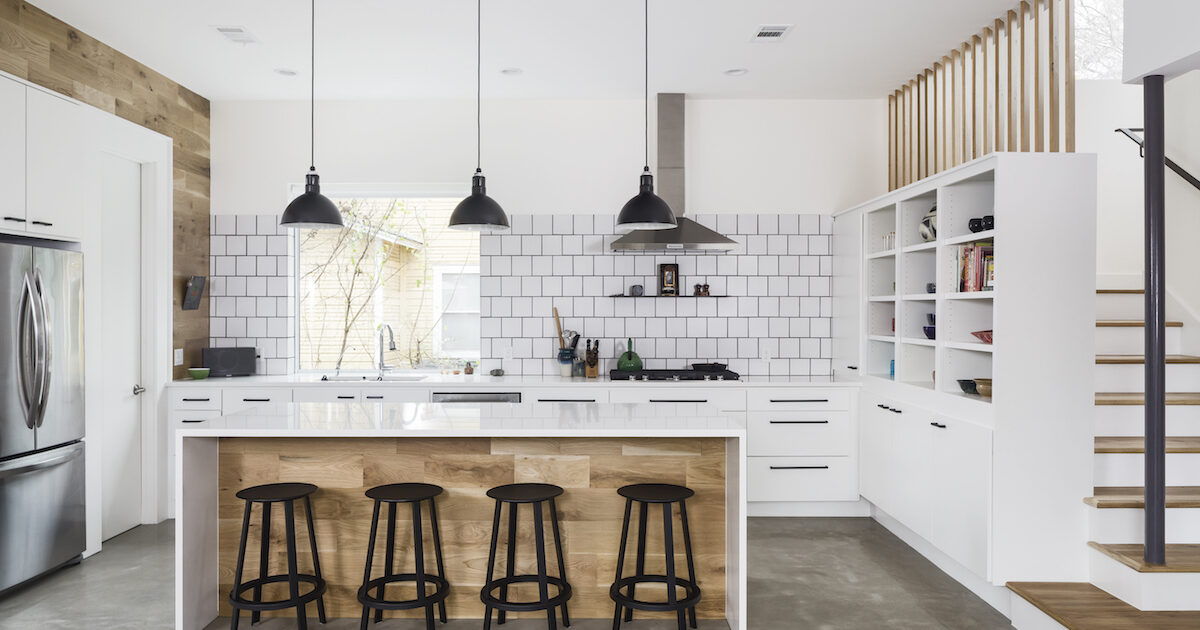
798 422
894 410
42 223
17 219
345 397
799 467
937 424
256 400
374 397
851 367
562 400
197 399
192 421
799 400
881 406
676 400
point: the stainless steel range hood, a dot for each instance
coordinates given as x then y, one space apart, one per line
688 235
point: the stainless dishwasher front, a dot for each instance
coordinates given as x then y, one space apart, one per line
476 397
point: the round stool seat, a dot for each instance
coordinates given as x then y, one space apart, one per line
404 492
276 492
525 492
656 493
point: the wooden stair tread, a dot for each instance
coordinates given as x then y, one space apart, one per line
1140 359
1180 558
1121 291
1137 398
1130 323
1105 497
1082 606
1137 444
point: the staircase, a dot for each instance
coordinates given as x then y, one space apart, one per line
1125 592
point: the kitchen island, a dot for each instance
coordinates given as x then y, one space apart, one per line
590 449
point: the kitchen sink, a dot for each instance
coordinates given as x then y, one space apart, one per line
387 378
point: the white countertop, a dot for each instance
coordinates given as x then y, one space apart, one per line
475 420
482 380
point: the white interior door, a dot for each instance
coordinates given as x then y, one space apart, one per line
121 282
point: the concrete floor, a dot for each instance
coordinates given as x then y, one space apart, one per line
805 574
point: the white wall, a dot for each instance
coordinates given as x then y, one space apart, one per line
1160 37
559 157
1182 99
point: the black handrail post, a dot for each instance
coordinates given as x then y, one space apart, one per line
1156 397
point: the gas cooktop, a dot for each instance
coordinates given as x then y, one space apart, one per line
673 375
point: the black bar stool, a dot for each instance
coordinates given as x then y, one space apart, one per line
393 494
287 494
645 494
514 495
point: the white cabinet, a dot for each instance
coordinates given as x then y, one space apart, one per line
395 394
800 444
586 394
847 305
801 479
12 155
326 394
785 433
55 161
960 479
719 396
238 399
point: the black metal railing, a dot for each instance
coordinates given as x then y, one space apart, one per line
1132 134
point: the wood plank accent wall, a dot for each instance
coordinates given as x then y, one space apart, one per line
1009 87
589 469
39 48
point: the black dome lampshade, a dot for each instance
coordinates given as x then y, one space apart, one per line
311 210
646 211
479 212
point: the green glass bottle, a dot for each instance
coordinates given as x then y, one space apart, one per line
629 361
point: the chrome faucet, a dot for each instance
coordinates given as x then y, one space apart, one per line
391 346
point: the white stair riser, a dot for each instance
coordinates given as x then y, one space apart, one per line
1181 377
1127 469
1128 525
1120 306
1182 420
1144 591
1131 340
1026 616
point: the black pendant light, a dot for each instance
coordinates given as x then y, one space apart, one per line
478 212
646 211
312 210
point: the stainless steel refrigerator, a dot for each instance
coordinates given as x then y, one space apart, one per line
41 408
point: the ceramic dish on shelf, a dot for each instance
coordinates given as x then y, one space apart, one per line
984 387
983 335
967 385
931 318
930 332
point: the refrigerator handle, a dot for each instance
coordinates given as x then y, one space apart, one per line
58 456
26 336
44 371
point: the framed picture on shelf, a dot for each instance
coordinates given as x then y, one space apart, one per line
668 279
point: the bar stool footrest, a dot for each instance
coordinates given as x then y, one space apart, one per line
564 593
441 589
237 601
690 598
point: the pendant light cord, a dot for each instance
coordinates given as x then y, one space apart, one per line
478 85
646 81
312 88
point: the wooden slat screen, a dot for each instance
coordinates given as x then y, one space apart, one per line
1009 87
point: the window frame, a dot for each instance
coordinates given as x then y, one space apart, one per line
438 272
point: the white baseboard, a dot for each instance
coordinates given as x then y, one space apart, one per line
997 597
858 508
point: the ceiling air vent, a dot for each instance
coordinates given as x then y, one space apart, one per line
236 34
772 32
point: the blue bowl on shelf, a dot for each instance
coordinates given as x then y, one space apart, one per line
929 331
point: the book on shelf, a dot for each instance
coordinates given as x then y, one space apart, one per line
975 267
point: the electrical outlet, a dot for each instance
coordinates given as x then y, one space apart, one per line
178 356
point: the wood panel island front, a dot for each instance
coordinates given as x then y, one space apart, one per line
589 449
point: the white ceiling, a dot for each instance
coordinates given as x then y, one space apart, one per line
387 49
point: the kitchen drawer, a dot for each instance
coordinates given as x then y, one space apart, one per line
793 433
237 399
195 398
583 393
395 394
798 399
326 394
801 479
184 419
723 400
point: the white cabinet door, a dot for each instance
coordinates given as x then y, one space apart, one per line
908 490
384 394
960 484
326 394
238 399
587 393
12 155
723 398
807 433
847 292
800 479
875 451
55 157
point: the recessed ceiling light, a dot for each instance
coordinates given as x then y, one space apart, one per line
511 71
287 72
736 72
